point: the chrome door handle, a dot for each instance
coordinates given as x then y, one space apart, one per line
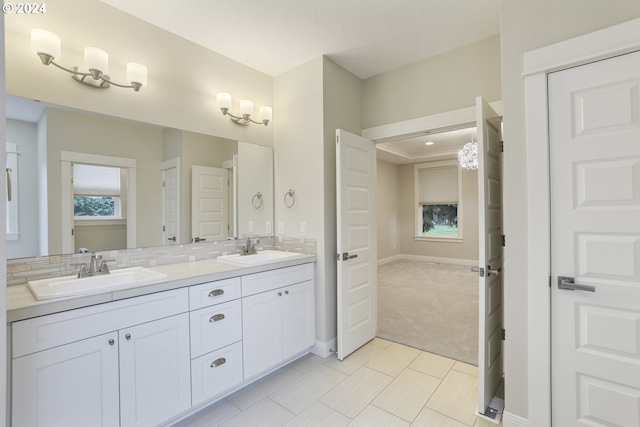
494 271
173 239
567 283
346 256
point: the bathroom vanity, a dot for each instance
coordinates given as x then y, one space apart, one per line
152 355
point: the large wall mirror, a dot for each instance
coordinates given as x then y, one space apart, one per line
88 181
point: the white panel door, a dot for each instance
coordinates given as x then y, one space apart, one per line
489 257
209 194
594 134
171 205
356 242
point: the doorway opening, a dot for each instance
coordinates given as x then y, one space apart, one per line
428 296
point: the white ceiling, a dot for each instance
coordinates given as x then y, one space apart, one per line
366 37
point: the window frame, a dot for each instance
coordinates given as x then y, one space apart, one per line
418 235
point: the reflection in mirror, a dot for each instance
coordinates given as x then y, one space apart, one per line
155 189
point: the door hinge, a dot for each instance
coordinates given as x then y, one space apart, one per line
502 146
72 231
164 228
503 334
337 139
504 240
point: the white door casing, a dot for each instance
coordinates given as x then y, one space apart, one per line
209 203
594 137
356 242
489 256
171 202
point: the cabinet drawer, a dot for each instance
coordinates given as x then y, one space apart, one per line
216 372
40 333
215 327
211 293
265 281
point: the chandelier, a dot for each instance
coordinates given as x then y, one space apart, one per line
468 156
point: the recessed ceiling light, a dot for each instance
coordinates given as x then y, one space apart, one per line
428 143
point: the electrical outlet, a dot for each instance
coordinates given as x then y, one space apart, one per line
267 228
281 228
303 228
250 227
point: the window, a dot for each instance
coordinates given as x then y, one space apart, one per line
438 201
96 192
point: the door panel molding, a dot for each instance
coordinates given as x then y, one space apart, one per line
538 63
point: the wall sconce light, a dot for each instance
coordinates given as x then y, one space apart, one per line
246 110
46 45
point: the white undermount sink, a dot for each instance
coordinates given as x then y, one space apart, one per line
59 287
261 258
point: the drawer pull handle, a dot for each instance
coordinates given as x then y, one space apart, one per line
112 341
216 292
128 337
218 362
216 318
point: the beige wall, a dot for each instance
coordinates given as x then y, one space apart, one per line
468 249
298 165
184 77
389 208
445 82
83 133
526 26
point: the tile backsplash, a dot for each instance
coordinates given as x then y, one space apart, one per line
21 270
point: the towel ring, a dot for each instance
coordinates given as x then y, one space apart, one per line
290 198
256 200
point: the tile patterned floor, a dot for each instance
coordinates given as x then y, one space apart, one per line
381 384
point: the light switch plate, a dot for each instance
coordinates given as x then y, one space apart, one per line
281 228
250 227
267 228
303 228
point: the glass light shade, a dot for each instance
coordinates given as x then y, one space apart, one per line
224 100
96 59
468 156
246 107
43 41
136 73
266 113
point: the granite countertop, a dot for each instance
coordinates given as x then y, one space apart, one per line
22 305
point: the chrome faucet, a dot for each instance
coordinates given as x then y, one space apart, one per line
250 247
96 266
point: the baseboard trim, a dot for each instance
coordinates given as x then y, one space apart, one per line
387 260
511 420
324 349
439 260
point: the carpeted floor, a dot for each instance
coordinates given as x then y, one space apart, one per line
433 307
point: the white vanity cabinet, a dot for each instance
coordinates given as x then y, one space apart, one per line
122 363
278 319
154 371
72 385
153 359
216 338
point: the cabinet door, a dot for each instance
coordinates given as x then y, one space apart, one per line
154 371
261 331
298 318
72 385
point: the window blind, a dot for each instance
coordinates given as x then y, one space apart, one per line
91 180
438 185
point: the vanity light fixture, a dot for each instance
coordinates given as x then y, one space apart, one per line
46 45
246 111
